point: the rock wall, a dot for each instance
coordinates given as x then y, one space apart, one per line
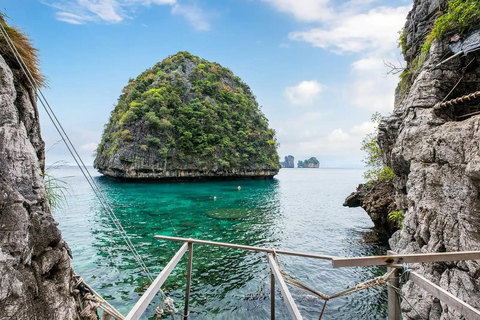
378 200
36 275
437 163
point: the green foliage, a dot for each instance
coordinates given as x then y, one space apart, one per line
397 217
309 163
376 171
128 117
56 188
153 141
152 120
402 41
208 116
461 16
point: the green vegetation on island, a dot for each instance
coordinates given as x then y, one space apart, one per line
186 113
309 163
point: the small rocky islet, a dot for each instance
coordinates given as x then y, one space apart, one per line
187 118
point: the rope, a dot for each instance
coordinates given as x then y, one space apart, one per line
78 160
95 301
73 152
468 97
378 281
464 69
400 294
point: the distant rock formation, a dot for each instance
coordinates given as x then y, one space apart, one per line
289 162
309 163
187 118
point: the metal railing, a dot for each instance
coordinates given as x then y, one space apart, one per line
392 261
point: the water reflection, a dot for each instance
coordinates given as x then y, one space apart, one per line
301 210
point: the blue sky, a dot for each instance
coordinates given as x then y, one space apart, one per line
316 66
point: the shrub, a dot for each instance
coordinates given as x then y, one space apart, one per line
27 52
152 120
153 141
397 217
125 135
461 16
376 171
128 117
402 41
163 152
55 188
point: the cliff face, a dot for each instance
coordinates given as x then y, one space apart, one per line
187 118
36 275
436 158
378 200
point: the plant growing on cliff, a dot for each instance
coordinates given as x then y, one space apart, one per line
460 17
24 46
56 188
376 171
397 217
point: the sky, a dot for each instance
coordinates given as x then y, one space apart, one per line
317 67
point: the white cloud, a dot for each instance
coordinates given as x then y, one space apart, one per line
372 89
364 128
89 147
338 142
374 30
337 135
193 14
305 10
107 10
70 18
115 11
284 45
304 93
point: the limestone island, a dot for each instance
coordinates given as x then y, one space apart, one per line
289 162
187 118
309 163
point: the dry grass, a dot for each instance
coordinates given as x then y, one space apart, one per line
25 48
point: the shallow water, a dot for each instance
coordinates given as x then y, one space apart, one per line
301 210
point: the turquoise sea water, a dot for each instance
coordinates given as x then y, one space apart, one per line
300 210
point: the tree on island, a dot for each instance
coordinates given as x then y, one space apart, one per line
309 163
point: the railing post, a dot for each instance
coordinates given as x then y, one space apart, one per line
189 280
393 301
272 296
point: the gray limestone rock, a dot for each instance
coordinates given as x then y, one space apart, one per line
36 275
378 200
436 156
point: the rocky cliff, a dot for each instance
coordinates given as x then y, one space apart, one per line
435 154
36 276
187 118
378 200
